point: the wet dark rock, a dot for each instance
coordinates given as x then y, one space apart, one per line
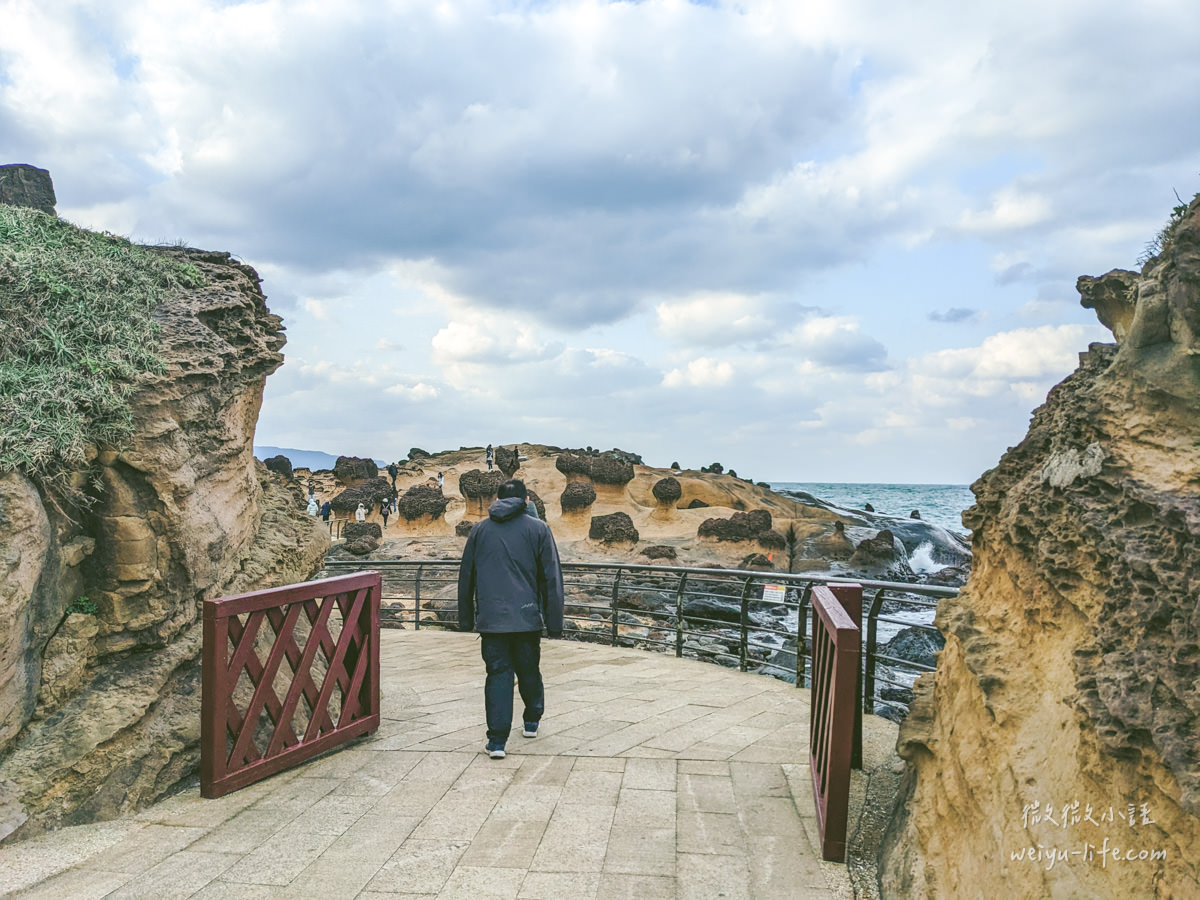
613 529
577 495
915 514
280 465
877 551
422 500
915 644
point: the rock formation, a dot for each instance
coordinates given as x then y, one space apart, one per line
369 493
507 461
577 495
361 538
99 604
538 503
280 465
744 526
611 468
1064 715
616 528
479 489
350 470
835 545
877 553
422 500
667 491
24 185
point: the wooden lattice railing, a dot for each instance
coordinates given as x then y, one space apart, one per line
833 710
259 717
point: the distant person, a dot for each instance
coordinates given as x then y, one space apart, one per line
312 506
326 511
441 480
312 489
385 509
490 456
360 514
509 587
393 471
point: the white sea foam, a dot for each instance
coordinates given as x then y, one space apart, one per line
921 561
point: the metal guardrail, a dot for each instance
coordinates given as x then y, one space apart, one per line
834 710
247 731
748 619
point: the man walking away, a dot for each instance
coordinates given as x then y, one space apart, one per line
510 587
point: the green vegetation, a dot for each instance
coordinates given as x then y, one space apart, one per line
1163 239
77 329
84 606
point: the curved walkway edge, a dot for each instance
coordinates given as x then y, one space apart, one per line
652 777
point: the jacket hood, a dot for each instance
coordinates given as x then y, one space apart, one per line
508 508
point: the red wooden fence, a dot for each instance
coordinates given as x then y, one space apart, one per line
258 717
833 701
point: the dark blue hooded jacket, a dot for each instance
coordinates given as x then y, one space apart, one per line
510 578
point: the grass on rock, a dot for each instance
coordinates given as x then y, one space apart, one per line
77 330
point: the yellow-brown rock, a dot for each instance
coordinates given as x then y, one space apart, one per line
1056 750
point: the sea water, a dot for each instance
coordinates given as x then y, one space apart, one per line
940 504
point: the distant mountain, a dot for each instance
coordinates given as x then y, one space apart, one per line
302 459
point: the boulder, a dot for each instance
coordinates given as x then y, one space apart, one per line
577 495
370 494
667 491
771 539
876 552
361 538
422 500
25 185
615 528
756 561
280 465
463 528
416 453
697 504
741 526
613 467
918 645
835 545
507 461
351 469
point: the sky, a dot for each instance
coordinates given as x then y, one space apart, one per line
833 240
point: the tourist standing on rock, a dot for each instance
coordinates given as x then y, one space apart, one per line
360 514
312 489
509 587
490 457
385 508
441 480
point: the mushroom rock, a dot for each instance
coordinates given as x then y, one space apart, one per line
280 465
1071 670
479 489
25 185
507 461
422 500
577 495
610 469
416 453
369 493
572 465
667 491
351 469
615 528
771 539
538 503
361 538
463 528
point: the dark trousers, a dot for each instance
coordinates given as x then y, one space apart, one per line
506 655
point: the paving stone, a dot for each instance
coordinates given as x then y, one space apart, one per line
418 867
178 876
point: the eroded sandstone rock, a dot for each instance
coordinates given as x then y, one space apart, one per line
100 710
1071 670
616 528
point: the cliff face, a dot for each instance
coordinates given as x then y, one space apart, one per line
99 607
1064 715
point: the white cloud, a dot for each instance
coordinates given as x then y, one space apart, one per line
702 372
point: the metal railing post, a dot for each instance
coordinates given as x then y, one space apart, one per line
745 632
417 600
802 632
872 638
679 615
615 590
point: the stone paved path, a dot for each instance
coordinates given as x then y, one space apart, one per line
653 777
